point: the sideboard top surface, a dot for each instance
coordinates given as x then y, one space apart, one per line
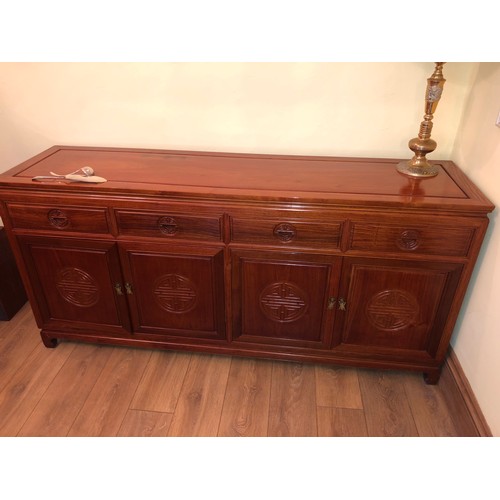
207 175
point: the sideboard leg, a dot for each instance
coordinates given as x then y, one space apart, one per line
432 377
48 340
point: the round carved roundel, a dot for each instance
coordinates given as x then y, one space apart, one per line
392 310
168 226
285 232
175 293
408 240
77 287
58 218
283 302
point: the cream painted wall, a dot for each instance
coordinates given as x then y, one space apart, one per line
357 109
477 336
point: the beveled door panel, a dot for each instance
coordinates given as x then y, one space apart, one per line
283 298
175 290
393 304
74 282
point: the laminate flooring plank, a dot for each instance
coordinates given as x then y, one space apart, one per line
338 387
27 386
456 407
386 406
246 404
109 400
341 422
429 408
139 423
292 410
161 384
61 403
200 403
19 339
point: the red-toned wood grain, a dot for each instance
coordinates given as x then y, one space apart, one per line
309 259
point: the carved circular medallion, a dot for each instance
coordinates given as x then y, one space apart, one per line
283 302
408 240
175 293
168 225
285 232
77 287
392 310
58 218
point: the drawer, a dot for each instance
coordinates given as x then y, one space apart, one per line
433 240
168 225
61 218
287 232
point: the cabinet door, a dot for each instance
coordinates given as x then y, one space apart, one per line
283 298
175 289
74 284
394 305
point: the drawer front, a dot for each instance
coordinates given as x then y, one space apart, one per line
60 218
287 232
168 225
436 240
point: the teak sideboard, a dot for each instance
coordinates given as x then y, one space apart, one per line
311 259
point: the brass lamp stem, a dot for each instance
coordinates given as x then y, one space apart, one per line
418 166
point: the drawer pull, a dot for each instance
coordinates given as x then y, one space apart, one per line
342 305
408 240
118 288
168 225
331 303
128 289
285 232
58 218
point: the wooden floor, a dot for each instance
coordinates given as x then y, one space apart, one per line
89 390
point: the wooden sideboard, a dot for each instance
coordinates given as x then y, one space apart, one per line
313 259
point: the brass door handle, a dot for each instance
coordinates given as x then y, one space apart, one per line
342 305
118 289
331 303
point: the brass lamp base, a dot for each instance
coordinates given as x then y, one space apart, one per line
409 168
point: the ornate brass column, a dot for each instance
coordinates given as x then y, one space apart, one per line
418 166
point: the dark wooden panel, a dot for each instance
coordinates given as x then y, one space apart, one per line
396 304
286 231
74 282
12 294
58 217
175 290
168 224
412 238
282 298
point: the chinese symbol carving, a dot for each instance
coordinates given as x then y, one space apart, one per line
175 293
77 287
283 302
392 310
